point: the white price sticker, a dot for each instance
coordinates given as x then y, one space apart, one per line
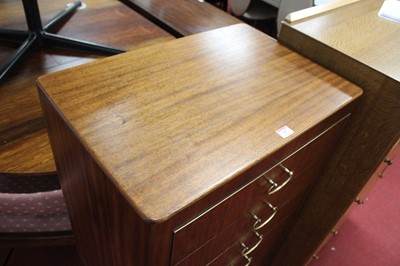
284 132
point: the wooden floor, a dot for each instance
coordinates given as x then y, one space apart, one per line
24 145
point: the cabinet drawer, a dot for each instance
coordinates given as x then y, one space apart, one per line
196 233
241 231
233 255
283 180
271 237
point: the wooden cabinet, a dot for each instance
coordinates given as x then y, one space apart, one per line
247 218
361 197
379 173
196 152
326 36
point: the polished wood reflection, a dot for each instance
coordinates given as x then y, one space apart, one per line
144 148
170 114
183 18
24 145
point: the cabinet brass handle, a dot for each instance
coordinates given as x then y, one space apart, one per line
249 259
274 186
246 250
259 223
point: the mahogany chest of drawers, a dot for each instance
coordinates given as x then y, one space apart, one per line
199 151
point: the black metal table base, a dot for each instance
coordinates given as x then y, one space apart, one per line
38 36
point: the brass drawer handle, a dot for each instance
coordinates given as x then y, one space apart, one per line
246 250
259 224
249 259
274 186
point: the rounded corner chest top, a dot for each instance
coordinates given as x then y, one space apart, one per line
213 136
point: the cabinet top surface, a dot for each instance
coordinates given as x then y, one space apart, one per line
170 123
358 31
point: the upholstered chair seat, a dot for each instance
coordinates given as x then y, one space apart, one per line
32 207
33 212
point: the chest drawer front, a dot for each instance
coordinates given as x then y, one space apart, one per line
254 198
241 231
233 255
194 234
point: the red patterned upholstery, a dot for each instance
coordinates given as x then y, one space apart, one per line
32 203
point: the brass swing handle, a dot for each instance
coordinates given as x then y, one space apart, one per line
248 259
246 250
259 223
274 186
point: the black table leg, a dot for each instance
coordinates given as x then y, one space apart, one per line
24 48
38 36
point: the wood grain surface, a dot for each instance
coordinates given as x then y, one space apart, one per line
24 145
316 10
191 114
364 36
183 18
356 43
